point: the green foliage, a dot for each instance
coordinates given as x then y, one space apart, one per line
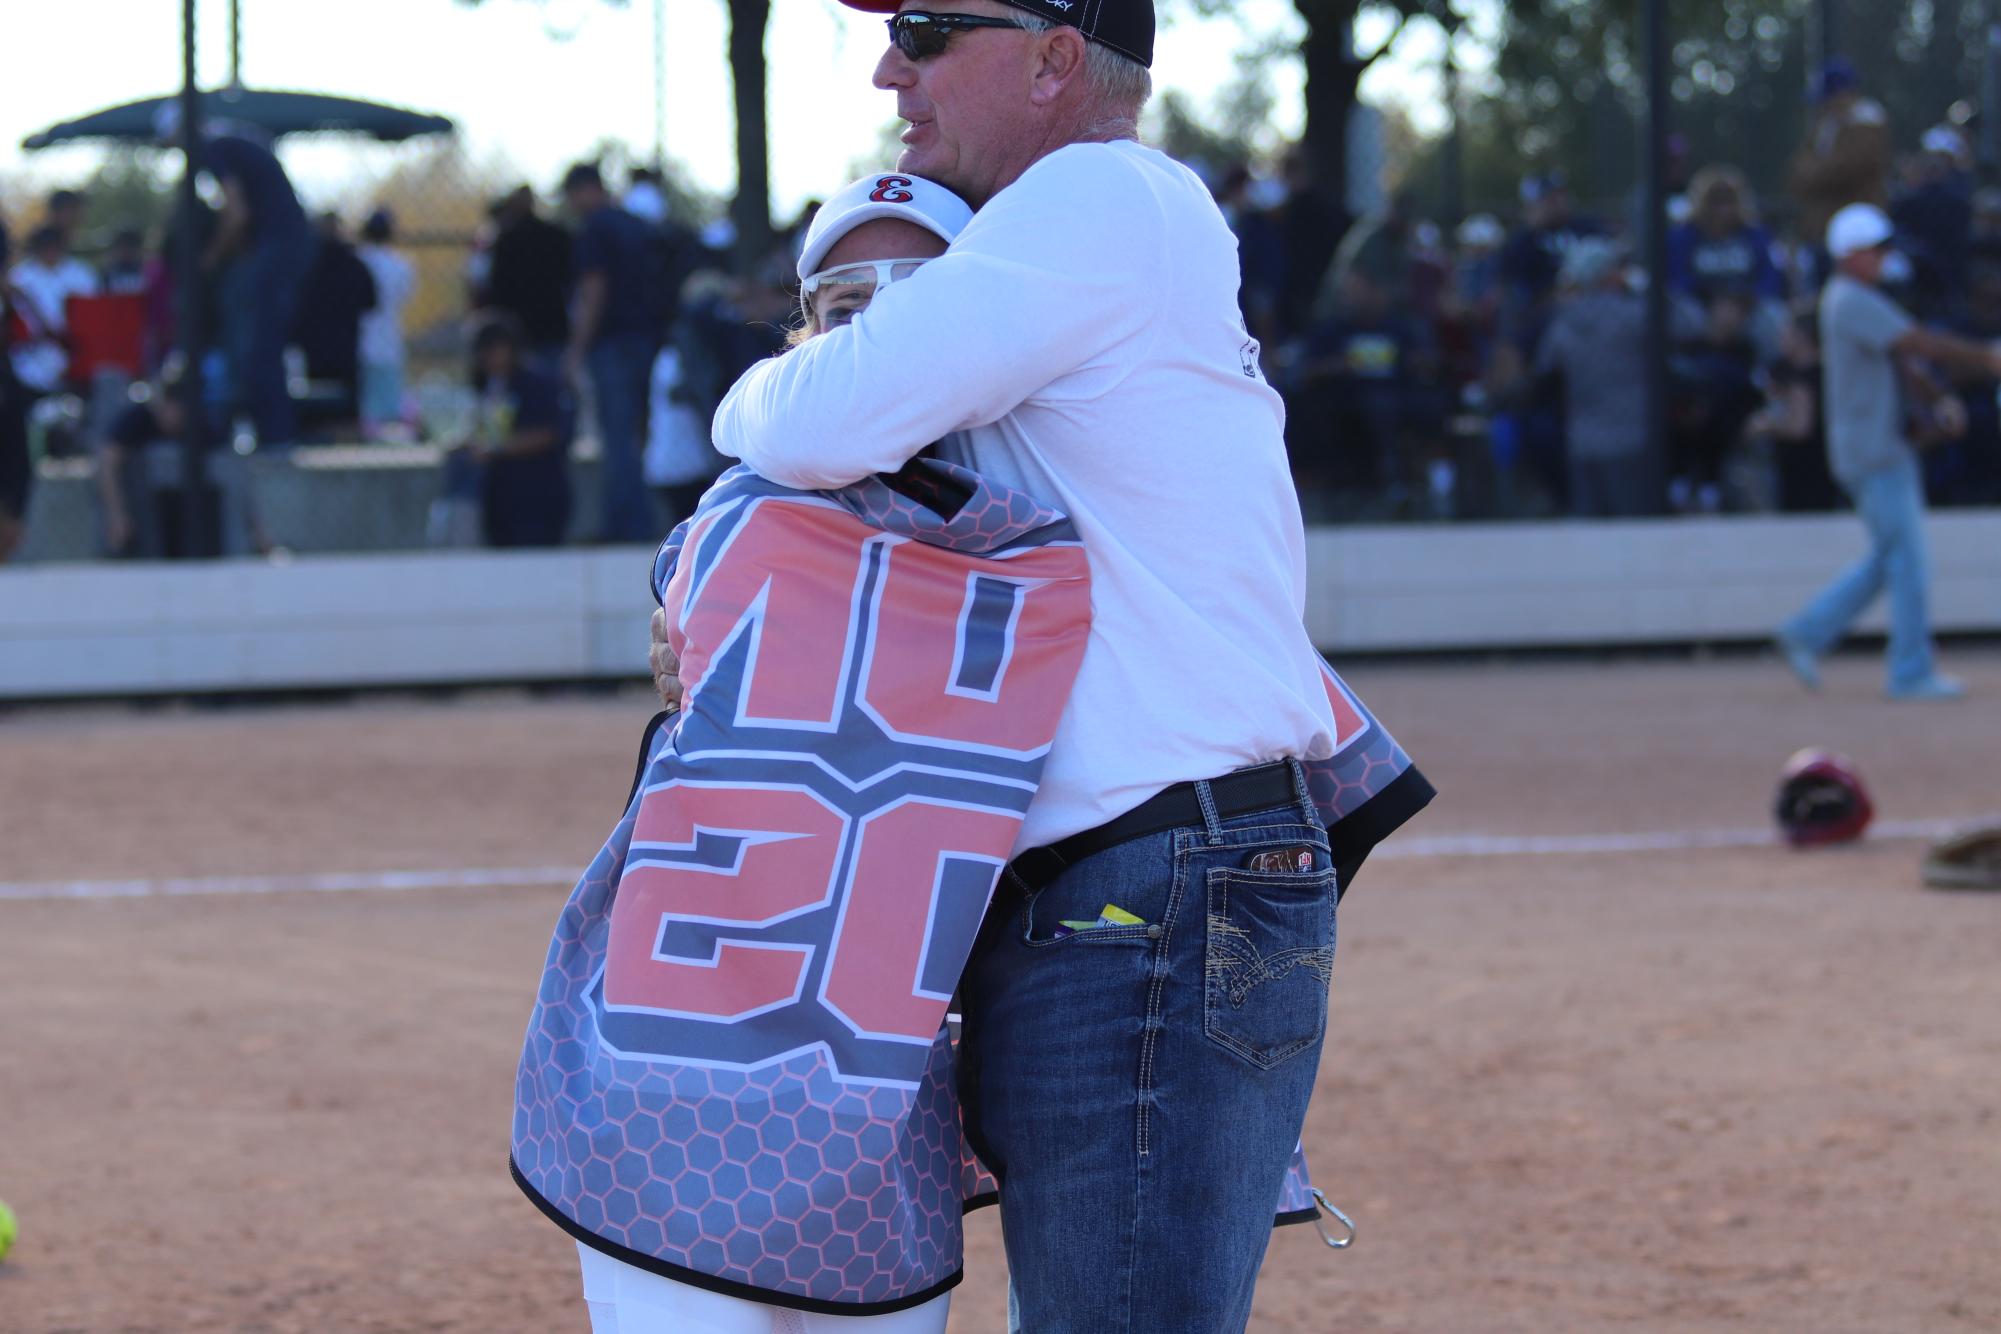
134 188
1567 86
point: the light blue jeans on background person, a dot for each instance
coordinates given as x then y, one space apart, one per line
381 392
1138 1089
1892 505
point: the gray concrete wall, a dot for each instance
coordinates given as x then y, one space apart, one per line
461 617
352 498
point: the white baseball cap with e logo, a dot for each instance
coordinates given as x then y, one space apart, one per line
891 194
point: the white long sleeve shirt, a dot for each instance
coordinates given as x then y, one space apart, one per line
1083 332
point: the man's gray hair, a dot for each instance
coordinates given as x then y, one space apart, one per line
1120 85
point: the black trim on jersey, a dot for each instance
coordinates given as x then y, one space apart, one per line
1306 1215
645 745
1357 833
727 1287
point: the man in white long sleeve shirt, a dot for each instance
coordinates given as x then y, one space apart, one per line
1145 1010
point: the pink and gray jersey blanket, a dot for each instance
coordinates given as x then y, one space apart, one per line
738 1071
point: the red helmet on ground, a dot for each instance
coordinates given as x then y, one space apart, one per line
1821 800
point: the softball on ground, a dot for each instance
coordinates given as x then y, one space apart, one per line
7 1229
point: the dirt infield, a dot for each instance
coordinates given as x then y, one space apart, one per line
1642 1087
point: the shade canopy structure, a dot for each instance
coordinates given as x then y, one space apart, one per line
276 113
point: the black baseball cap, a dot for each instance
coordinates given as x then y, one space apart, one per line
1124 25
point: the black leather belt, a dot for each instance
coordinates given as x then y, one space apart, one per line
1237 793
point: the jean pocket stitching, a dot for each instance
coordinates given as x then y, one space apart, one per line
1240 969
1234 968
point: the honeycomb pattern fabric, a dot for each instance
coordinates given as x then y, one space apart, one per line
712 1087
737 1071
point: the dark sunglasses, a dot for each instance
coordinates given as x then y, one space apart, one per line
919 35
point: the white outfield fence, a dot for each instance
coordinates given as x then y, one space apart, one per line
334 621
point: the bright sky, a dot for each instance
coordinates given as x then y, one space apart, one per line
538 83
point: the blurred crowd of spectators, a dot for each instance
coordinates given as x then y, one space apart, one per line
1495 369
1501 368
303 326
610 313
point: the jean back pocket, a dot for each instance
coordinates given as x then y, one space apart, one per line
1268 960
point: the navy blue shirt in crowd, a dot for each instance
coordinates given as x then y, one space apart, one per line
527 496
616 244
274 205
1738 264
1533 257
1934 227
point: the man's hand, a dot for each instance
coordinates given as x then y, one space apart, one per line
666 667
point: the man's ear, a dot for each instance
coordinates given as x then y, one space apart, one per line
1058 65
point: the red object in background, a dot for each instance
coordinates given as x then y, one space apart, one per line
1822 800
106 333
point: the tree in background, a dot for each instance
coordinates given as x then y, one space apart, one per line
1566 87
1334 70
751 210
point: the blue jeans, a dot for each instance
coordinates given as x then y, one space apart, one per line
260 296
1138 1089
1892 505
620 365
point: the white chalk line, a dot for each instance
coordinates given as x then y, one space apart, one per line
1397 849
342 882
1678 840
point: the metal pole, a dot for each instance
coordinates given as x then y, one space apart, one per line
1655 231
1822 43
1990 106
192 304
236 43
660 87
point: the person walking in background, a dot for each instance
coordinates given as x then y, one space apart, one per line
1867 341
1597 343
528 275
382 353
613 333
